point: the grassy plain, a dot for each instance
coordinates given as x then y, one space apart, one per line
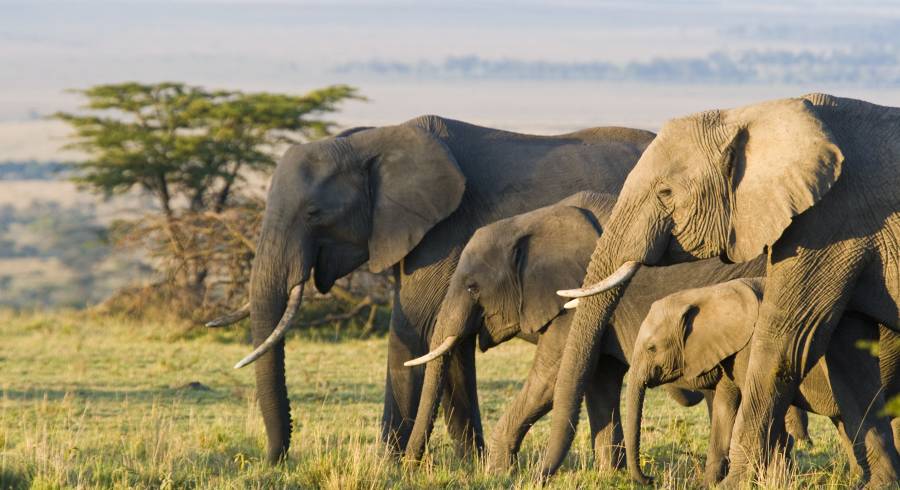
103 402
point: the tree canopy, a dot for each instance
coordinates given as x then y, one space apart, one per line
191 149
176 140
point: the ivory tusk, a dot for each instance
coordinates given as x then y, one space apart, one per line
622 274
287 319
438 352
234 317
571 305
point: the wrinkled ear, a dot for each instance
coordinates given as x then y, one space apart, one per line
553 255
718 322
781 159
414 183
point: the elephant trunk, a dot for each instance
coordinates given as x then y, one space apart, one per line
432 388
275 272
578 361
637 386
631 237
454 323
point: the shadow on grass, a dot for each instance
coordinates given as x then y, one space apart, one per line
501 385
341 393
10 478
196 396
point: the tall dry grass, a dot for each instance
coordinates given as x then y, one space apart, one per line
103 402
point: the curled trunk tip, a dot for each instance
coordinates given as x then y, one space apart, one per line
231 318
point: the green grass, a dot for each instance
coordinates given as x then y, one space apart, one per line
105 402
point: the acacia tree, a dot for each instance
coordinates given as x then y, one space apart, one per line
193 149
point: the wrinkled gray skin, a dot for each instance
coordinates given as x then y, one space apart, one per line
700 339
408 197
813 182
504 287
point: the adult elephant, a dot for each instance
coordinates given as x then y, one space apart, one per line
503 288
812 181
408 197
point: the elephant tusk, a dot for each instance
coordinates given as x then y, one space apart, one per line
287 319
571 305
621 275
438 352
234 317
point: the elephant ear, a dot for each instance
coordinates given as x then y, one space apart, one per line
781 159
552 255
414 183
718 322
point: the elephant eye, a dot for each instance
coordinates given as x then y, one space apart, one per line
313 212
664 192
651 348
472 289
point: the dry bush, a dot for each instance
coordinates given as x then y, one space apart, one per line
204 261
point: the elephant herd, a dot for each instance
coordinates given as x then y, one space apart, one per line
739 255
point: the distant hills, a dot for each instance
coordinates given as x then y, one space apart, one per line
33 170
866 67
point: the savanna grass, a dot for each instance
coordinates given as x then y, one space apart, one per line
103 402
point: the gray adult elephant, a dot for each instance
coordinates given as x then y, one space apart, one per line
408 197
699 339
811 181
503 287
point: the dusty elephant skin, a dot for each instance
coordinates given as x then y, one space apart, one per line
699 339
407 197
504 287
813 182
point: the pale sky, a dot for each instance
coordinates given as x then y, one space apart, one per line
790 47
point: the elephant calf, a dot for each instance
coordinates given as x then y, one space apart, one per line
504 287
700 339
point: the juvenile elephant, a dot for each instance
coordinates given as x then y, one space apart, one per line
810 181
408 197
503 287
700 339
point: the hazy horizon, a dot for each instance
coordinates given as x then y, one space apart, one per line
530 66
537 67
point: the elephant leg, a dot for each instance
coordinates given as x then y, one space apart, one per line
860 401
531 403
602 396
709 396
889 366
403 386
895 428
857 461
805 296
460 401
725 404
796 422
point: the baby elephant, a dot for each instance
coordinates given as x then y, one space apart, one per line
699 339
504 287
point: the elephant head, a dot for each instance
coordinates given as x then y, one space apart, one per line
683 338
719 183
503 286
368 195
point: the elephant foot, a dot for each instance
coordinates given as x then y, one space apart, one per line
640 478
733 480
712 478
499 462
881 484
611 458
